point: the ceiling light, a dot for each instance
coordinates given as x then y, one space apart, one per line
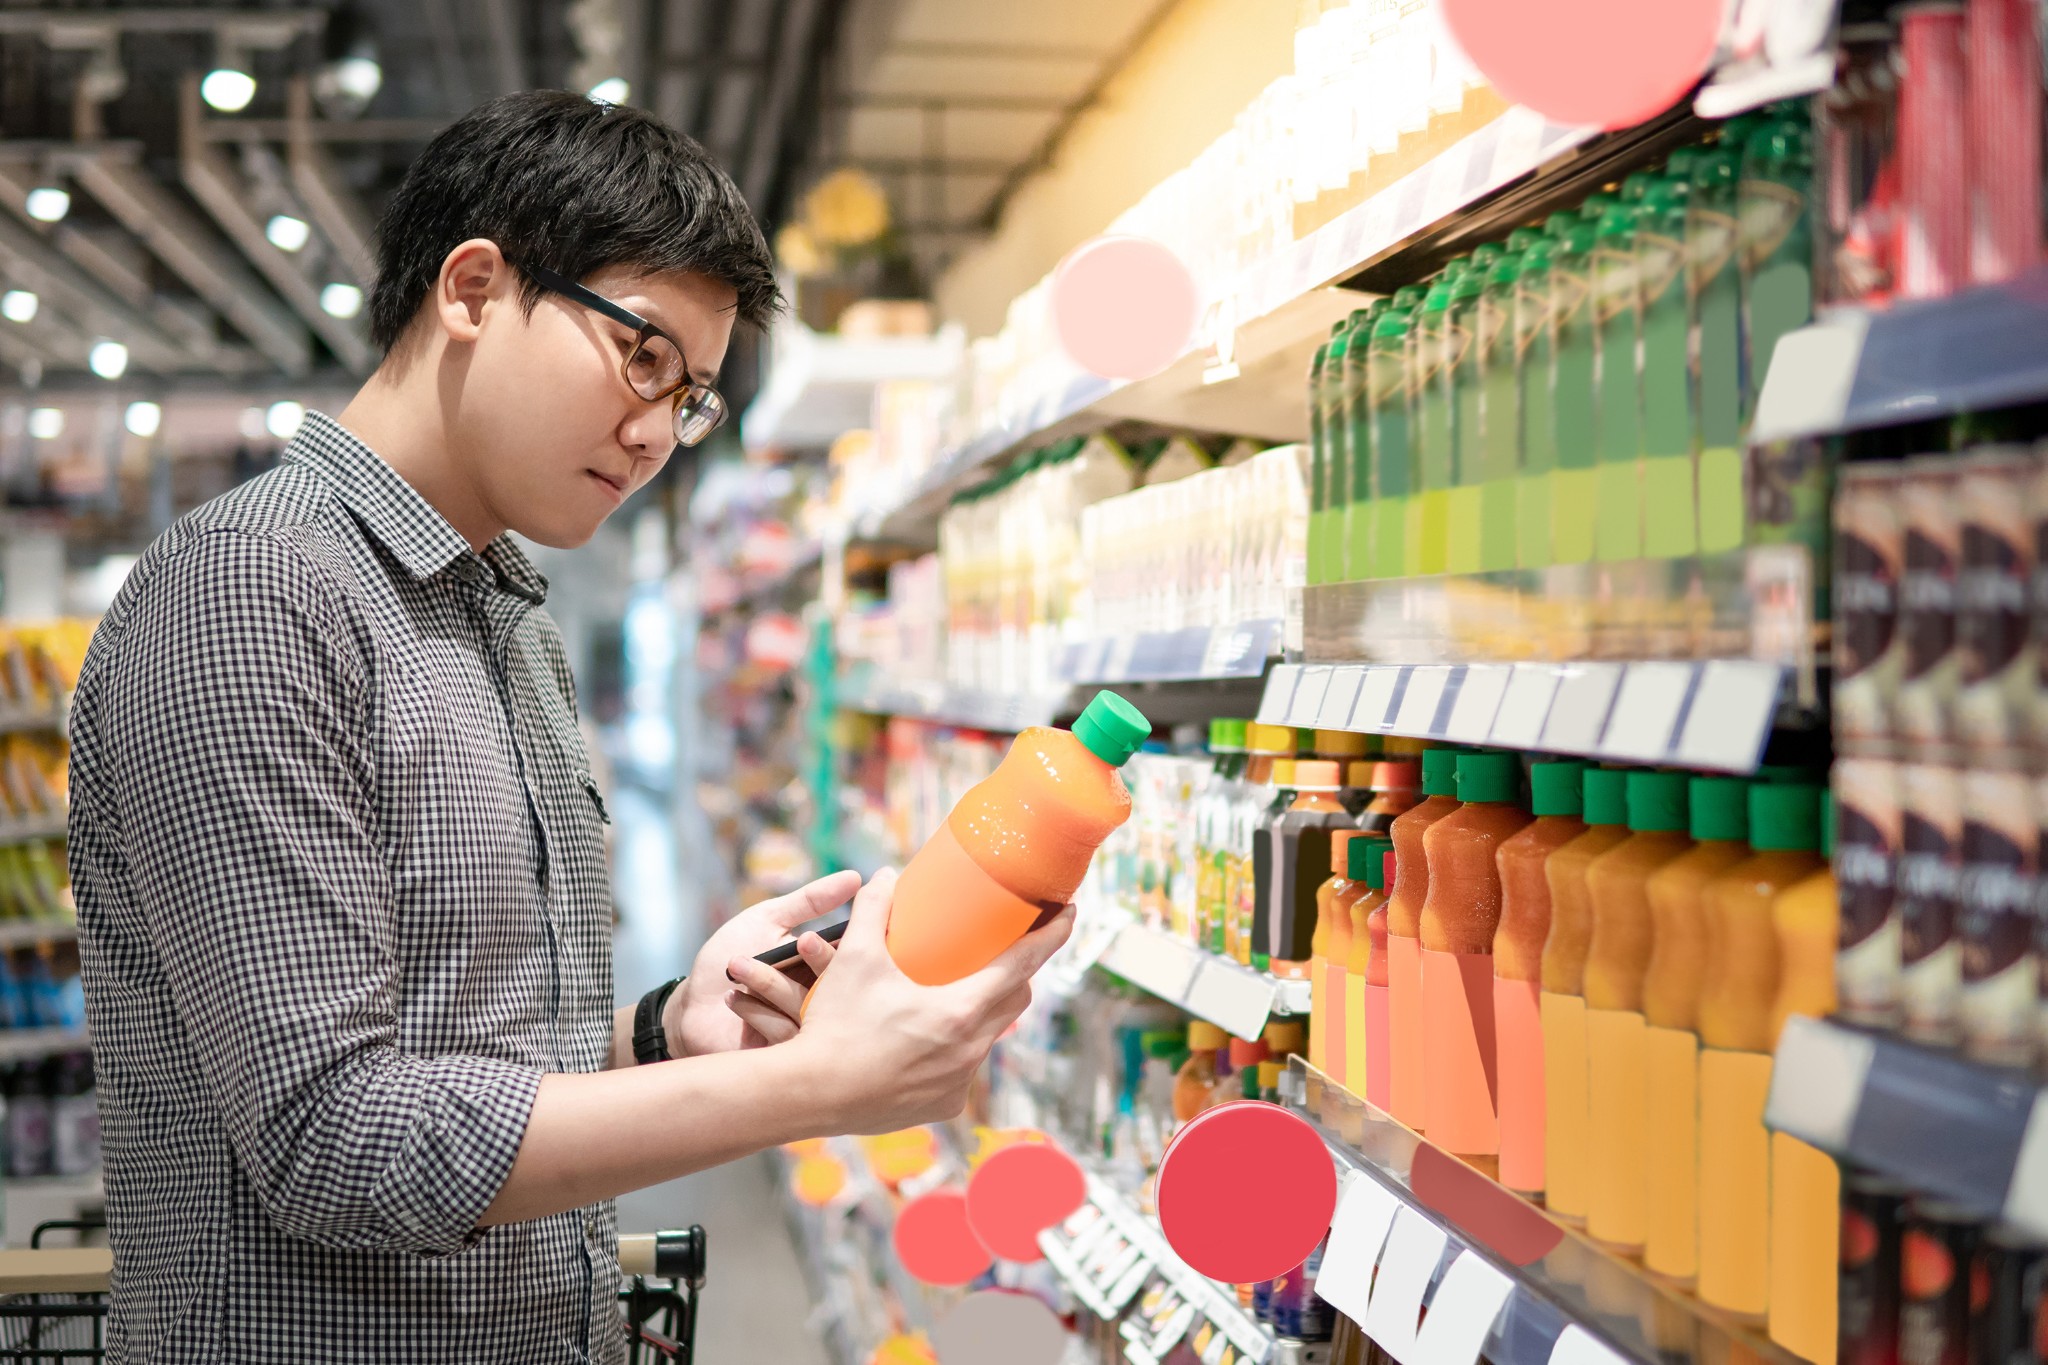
341 300
144 419
359 77
287 233
47 204
46 424
19 305
611 91
251 425
228 89
107 359
283 419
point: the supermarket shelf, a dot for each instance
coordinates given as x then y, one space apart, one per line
31 1044
1233 997
820 385
1714 715
771 589
1982 348
952 706
1119 1250
1516 1287
28 933
1961 1130
46 720
31 830
1199 652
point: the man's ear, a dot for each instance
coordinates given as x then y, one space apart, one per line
472 275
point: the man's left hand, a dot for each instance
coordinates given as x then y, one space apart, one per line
730 1001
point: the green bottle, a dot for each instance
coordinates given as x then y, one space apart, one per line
1670 523
1714 300
1435 434
1395 478
1500 378
1776 238
1468 417
1351 559
1618 424
1535 363
1572 485
1319 437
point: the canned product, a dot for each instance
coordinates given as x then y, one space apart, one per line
1934 205
1867 843
1930 853
1927 601
1995 904
1873 1219
2007 1322
2003 135
1936 1254
1995 668
1869 651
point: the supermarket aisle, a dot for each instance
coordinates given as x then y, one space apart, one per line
755 1303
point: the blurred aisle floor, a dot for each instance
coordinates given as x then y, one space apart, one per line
755 1305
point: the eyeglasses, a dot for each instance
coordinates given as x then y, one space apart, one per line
654 368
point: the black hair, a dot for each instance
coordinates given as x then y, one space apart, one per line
572 184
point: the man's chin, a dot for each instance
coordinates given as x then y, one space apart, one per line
558 533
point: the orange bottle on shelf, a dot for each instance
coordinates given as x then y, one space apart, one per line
1367 857
1404 932
1566 1122
1245 1054
1718 816
1300 865
1332 951
1737 999
1555 799
1459 918
1617 956
1195 1083
1379 1012
1395 786
1016 846
1806 1185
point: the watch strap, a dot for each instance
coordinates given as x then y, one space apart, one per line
650 1038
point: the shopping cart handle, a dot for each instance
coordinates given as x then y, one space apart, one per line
674 1255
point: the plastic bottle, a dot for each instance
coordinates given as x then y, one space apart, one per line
1396 525
1617 955
1714 323
1196 1080
1268 745
1301 864
1016 846
1332 954
1671 524
1806 1185
1354 492
1435 421
1319 447
1464 547
1347 750
1258 936
1718 817
1460 915
1555 799
1396 788
1567 1121
1572 482
1212 830
1379 1009
1245 1054
1404 933
1736 1002
1534 352
1365 858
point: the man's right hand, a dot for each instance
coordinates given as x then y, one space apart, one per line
892 1052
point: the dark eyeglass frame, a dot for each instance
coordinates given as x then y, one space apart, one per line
696 401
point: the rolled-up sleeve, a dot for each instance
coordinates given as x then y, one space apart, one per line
248 818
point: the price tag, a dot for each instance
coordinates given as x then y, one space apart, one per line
1308 697
1520 143
1413 1250
2026 1199
1478 701
1375 699
1731 715
1279 695
1128 1284
1231 997
1153 961
1173 1329
1646 711
1356 1235
1212 1354
1419 703
1579 711
1525 706
1576 1346
1461 1315
1817 1081
1342 697
1446 180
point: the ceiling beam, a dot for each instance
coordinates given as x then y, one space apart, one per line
508 45
754 158
257 28
445 27
320 187
798 131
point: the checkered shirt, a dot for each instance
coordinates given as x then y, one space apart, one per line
342 900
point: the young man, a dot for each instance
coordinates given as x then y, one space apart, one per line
337 851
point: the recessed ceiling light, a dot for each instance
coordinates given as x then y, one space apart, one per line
341 300
47 204
144 419
284 418
287 233
46 424
228 89
19 305
107 359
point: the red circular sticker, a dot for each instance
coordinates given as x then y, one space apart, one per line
1020 1192
1124 307
1608 63
1245 1192
934 1241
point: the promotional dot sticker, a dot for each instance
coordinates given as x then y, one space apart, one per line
1245 1192
935 1243
1124 307
1018 1193
1607 63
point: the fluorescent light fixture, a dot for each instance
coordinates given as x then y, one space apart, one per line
19 305
47 204
612 90
107 359
46 424
341 300
143 419
283 419
359 78
228 89
287 233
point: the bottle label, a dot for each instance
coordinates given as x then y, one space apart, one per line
1929 873
1867 838
1996 894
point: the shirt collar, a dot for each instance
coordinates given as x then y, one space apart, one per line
393 511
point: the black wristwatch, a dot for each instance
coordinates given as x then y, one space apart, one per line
650 1039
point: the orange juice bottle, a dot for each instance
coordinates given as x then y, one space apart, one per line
1366 857
1718 816
1806 1185
1566 1121
1301 864
1332 950
1617 955
1347 750
1395 786
1379 1027
1195 1083
1736 1003
1016 846
1460 915
1245 1054
1555 799
1404 931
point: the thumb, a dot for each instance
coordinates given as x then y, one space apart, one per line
806 903
868 925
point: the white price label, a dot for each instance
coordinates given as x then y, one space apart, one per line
1420 702
1413 1250
1461 1315
1579 711
1646 711
1279 695
1308 697
1375 698
1576 1346
1356 1235
1341 698
1478 702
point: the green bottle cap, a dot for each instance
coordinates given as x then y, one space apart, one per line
1827 825
1471 283
1596 204
1440 772
1363 858
1536 257
1720 807
1556 788
1439 296
1227 736
1305 740
1338 344
1557 224
1488 776
1408 295
1506 270
1522 238
1337 327
1656 801
1681 162
1784 817
1112 729
1785 774
1636 186
1618 222
1393 323
1714 174
1606 796
1486 253
1322 353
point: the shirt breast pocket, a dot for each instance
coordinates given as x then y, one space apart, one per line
589 785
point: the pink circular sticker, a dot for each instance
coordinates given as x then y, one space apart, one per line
1020 1192
934 1241
1246 1191
1607 63
1124 307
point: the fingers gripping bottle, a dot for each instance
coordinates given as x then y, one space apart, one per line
1016 846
